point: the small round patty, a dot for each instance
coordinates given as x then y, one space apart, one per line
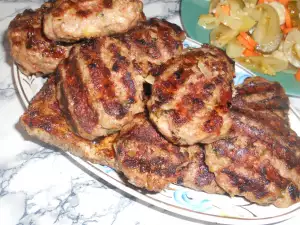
146 158
260 159
190 96
29 47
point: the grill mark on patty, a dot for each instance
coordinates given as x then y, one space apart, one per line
83 112
145 135
64 103
147 43
245 184
282 152
148 135
59 10
259 87
83 13
240 102
191 103
278 99
186 108
271 175
168 40
130 87
157 70
238 154
107 3
62 7
293 192
100 76
246 158
163 23
290 138
277 124
146 157
101 79
125 39
214 123
165 89
275 102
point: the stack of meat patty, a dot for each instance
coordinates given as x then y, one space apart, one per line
186 127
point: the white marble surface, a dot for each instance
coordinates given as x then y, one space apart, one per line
40 185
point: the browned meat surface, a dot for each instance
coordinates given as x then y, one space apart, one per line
145 157
196 175
189 102
259 95
29 48
44 121
152 43
261 158
71 20
100 85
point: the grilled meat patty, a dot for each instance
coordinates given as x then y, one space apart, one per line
189 102
151 44
71 20
100 85
29 47
196 175
44 121
259 95
260 160
145 157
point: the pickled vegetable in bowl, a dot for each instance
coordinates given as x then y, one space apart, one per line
262 35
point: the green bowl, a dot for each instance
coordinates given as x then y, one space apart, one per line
190 11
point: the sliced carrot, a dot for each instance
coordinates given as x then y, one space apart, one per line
297 75
282 27
260 1
248 52
288 20
226 9
245 43
283 2
287 30
248 38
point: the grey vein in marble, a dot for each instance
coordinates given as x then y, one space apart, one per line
75 201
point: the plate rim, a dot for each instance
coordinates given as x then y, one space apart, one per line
188 214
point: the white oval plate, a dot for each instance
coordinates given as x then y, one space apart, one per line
183 201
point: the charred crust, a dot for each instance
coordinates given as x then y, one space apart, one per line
214 123
107 3
28 25
83 13
245 184
157 70
178 73
83 112
293 192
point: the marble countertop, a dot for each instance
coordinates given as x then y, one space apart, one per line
40 185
